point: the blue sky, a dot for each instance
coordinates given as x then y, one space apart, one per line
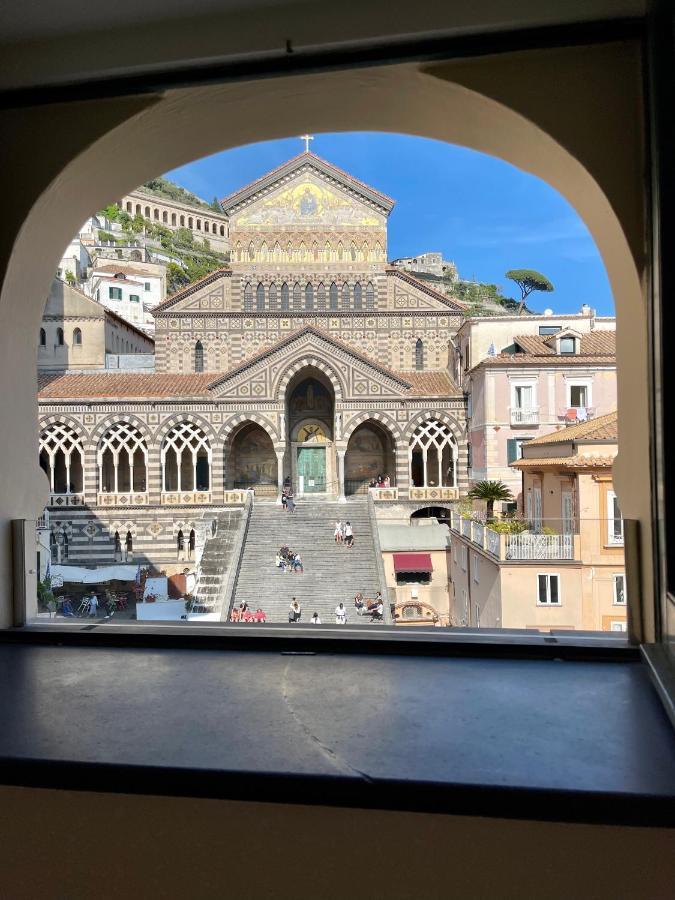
481 212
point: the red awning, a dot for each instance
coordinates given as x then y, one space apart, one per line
412 562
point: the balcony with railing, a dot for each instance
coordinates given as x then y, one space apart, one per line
524 415
529 544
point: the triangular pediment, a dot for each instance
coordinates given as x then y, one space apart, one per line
211 293
307 190
354 375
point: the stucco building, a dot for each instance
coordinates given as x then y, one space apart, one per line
309 359
78 333
527 375
566 570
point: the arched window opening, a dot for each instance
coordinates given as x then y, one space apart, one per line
345 296
190 222
77 337
155 214
321 296
182 221
352 252
419 355
173 218
433 456
222 231
309 296
128 206
186 459
43 338
248 297
59 337
165 217
273 296
284 296
358 302
260 297
122 458
238 252
370 296
147 212
333 296
251 252
263 252
340 252
199 357
138 209
289 252
62 458
297 296
277 252
199 224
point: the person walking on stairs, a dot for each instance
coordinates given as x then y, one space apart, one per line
290 503
349 535
340 614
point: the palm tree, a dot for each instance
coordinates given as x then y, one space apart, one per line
490 491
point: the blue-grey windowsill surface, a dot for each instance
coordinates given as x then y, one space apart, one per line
523 738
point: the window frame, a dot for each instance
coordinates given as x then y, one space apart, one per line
612 540
502 40
574 381
548 603
615 593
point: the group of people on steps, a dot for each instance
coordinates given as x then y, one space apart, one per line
344 534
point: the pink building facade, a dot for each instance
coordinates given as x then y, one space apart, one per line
531 385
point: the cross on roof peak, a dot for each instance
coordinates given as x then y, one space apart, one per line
306 138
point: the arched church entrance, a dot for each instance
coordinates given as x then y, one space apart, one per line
251 461
310 412
371 455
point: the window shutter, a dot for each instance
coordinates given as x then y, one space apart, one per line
511 450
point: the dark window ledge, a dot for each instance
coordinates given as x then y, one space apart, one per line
543 739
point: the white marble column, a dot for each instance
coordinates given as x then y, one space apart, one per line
341 476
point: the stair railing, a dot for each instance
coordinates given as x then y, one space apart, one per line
379 562
236 555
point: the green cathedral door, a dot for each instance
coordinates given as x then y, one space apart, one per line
312 470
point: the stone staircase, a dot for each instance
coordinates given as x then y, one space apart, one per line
332 572
216 559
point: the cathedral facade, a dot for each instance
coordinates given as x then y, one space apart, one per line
309 359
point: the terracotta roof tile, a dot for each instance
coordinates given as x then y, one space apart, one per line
578 461
602 428
115 385
431 384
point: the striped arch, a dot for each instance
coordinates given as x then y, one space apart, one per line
439 415
81 432
302 362
113 419
235 421
381 418
176 419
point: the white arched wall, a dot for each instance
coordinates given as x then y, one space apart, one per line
534 110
